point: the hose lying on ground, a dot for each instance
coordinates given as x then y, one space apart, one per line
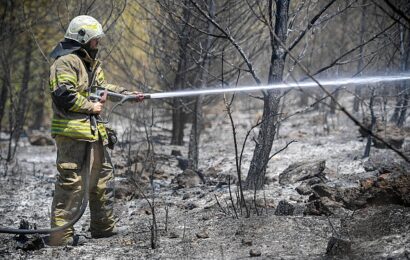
79 214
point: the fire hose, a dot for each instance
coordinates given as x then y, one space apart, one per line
78 215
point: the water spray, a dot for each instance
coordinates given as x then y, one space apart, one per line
358 81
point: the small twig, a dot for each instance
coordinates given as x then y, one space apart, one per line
231 198
166 217
254 201
220 206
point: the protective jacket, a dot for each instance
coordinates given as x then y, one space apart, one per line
73 76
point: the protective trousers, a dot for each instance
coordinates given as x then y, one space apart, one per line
74 160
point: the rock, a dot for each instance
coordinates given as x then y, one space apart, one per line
338 247
190 206
30 244
182 163
176 153
322 190
124 188
385 164
323 207
202 234
173 235
186 196
304 189
316 208
247 242
270 179
255 253
302 171
187 179
284 208
387 188
212 172
40 138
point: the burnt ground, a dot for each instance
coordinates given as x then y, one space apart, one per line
197 221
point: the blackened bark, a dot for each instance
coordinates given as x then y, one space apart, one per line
400 111
6 53
194 138
20 113
3 98
197 121
260 159
342 43
178 114
178 122
357 91
372 125
38 106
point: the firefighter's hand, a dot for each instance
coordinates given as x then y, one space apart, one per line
140 96
97 108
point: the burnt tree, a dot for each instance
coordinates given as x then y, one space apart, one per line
261 154
197 120
178 114
400 111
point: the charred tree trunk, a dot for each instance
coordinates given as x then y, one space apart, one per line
6 53
260 159
357 91
400 111
178 114
20 112
342 42
38 106
372 125
3 97
194 138
197 122
178 122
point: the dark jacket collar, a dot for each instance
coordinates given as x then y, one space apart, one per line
68 46
65 47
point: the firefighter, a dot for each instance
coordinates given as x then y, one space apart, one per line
81 140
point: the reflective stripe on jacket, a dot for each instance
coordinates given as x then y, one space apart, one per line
69 82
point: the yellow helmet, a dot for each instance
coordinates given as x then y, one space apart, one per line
83 28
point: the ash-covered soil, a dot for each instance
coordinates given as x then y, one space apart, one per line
341 206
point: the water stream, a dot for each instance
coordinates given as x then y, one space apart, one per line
358 81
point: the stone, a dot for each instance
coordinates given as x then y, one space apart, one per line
302 171
182 163
202 234
255 253
173 235
316 208
31 244
338 247
187 179
247 242
39 138
190 206
124 188
304 189
176 153
322 190
186 196
284 208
